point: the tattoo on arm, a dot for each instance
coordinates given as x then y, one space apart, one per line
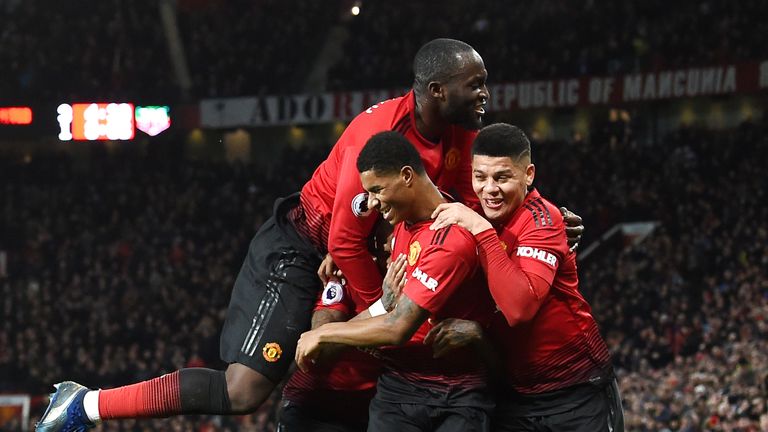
408 314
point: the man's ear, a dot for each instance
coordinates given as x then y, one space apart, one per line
530 173
408 175
436 90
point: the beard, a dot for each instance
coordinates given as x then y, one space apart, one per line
464 116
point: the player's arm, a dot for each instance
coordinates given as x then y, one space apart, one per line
456 213
517 291
348 235
393 328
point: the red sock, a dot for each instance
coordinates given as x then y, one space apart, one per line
158 397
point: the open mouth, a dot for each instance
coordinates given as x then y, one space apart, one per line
493 203
386 213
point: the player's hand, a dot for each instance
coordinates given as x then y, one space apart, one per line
393 283
456 213
573 227
328 270
308 349
453 333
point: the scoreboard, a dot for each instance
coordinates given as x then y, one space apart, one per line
96 121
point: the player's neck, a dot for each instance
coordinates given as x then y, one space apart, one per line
430 199
429 123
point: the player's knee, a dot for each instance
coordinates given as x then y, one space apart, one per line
247 389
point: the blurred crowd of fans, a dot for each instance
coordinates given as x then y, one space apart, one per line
120 49
551 38
122 271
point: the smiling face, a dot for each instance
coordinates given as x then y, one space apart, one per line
501 184
389 193
465 94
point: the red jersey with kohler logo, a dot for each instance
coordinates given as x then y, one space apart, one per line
444 278
544 325
334 204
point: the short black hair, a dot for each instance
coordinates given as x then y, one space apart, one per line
387 153
502 140
437 60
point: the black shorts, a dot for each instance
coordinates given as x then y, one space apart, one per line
295 418
273 298
403 406
411 417
594 411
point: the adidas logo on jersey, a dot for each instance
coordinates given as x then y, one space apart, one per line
541 255
425 280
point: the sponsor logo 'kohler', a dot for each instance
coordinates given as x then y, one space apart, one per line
541 255
424 278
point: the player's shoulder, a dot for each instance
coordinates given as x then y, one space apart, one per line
453 238
383 115
538 213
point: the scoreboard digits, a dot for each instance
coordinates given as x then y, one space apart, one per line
96 121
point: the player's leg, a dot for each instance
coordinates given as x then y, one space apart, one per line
295 418
463 419
386 416
270 307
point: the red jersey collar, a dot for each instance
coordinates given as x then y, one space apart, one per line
410 98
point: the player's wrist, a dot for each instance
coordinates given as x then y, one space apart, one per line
480 225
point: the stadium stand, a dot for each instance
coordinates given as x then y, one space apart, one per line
120 267
124 269
540 40
238 48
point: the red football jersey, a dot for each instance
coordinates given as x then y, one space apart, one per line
554 341
334 202
443 277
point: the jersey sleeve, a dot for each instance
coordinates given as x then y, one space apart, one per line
519 282
541 250
335 297
439 271
351 224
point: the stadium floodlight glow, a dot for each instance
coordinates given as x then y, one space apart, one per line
96 121
152 120
355 10
15 115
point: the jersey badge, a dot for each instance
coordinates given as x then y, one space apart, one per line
413 253
360 205
452 158
503 244
333 293
272 352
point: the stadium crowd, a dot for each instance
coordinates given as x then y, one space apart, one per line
123 271
52 52
539 40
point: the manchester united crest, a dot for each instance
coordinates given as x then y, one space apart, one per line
503 244
272 352
452 158
413 253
